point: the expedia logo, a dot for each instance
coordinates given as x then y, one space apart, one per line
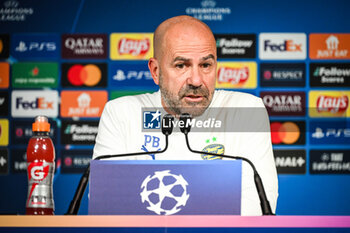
332 104
213 148
233 75
133 47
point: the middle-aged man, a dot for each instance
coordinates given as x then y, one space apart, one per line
184 66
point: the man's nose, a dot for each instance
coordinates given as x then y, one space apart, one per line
195 77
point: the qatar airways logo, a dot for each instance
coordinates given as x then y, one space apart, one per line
133 47
233 75
282 103
332 104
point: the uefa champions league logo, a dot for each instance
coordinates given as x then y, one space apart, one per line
165 193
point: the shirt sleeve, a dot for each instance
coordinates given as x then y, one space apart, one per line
109 139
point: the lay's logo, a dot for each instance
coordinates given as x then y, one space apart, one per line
131 46
332 104
233 75
134 47
329 104
236 75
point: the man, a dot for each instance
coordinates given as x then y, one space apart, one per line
184 67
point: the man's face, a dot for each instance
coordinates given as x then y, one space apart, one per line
187 72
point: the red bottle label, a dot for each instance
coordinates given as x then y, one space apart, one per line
40 175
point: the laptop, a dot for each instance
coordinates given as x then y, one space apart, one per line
155 187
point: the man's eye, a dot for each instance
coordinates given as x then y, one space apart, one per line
180 66
206 65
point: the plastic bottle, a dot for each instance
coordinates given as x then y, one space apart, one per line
41 166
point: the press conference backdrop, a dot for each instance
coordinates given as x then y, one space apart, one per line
66 58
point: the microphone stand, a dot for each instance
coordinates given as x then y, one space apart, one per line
79 193
264 203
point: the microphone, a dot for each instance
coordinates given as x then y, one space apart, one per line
185 128
167 129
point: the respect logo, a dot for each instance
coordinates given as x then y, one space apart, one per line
329 103
131 46
236 75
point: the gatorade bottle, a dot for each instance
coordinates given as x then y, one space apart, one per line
41 165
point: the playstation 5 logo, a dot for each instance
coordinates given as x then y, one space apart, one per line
318 133
21 47
36 46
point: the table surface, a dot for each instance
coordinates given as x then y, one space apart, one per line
176 221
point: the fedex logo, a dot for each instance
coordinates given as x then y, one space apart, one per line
33 103
287 45
282 46
38 103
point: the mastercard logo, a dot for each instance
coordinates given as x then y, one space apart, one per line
88 75
287 132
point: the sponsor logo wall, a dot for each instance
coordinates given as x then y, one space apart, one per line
69 77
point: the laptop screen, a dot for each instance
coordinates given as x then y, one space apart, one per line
154 187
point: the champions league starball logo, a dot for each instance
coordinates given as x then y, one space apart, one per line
165 193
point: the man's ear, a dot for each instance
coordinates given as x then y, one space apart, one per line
153 67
